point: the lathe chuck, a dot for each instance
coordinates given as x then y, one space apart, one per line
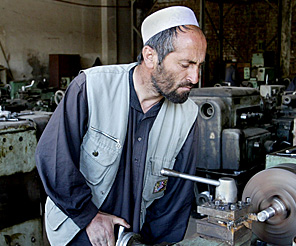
273 191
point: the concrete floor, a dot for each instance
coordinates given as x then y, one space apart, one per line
191 229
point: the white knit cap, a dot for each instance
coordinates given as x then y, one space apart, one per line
166 18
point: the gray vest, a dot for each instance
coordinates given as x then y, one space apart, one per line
108 102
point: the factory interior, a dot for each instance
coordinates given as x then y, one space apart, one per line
245 96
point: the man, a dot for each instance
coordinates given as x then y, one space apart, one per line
101 154
231 74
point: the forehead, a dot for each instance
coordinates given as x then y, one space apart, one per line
190 44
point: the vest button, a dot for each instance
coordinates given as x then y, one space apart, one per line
95 153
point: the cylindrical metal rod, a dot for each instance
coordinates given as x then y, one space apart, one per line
277 207
173 173
266 214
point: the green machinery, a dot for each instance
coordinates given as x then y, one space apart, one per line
21 192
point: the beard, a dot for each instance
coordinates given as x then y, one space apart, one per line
165 84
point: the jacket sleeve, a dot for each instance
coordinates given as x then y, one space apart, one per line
58 151
167 218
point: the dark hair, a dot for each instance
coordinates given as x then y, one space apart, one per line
163 43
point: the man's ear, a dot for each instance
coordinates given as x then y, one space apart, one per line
150 56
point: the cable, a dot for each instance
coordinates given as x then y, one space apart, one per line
91 5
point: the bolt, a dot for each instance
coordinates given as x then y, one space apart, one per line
256 144
248 200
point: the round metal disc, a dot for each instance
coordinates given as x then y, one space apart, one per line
278 182
129 239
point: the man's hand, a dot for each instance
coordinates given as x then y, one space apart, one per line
100 230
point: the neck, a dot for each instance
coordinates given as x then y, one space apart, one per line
146 93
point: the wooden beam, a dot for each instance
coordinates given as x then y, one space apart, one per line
285 37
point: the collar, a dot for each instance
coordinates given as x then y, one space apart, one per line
134 100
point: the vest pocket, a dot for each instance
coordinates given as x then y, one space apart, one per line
155 183
98 153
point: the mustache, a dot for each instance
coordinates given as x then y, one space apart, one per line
186 84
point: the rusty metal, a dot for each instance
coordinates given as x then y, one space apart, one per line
229 223
21 195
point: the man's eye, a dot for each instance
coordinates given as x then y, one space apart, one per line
185 65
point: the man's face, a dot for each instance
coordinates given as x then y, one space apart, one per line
166 84
179 71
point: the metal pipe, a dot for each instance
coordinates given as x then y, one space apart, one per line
173 173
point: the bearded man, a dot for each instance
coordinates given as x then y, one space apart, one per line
117 126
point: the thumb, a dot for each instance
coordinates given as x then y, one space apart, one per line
120 221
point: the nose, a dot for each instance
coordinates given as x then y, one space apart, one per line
193 75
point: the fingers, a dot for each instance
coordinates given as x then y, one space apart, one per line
119 221
101 229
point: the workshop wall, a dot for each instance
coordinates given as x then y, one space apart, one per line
248 29
31 30
293 44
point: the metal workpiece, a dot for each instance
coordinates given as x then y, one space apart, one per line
277 207
266 214
273 194
173 173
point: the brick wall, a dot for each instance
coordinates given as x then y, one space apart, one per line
248 28
293 44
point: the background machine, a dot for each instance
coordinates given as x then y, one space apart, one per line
246 138
245 179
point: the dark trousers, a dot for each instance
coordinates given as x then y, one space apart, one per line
81 239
